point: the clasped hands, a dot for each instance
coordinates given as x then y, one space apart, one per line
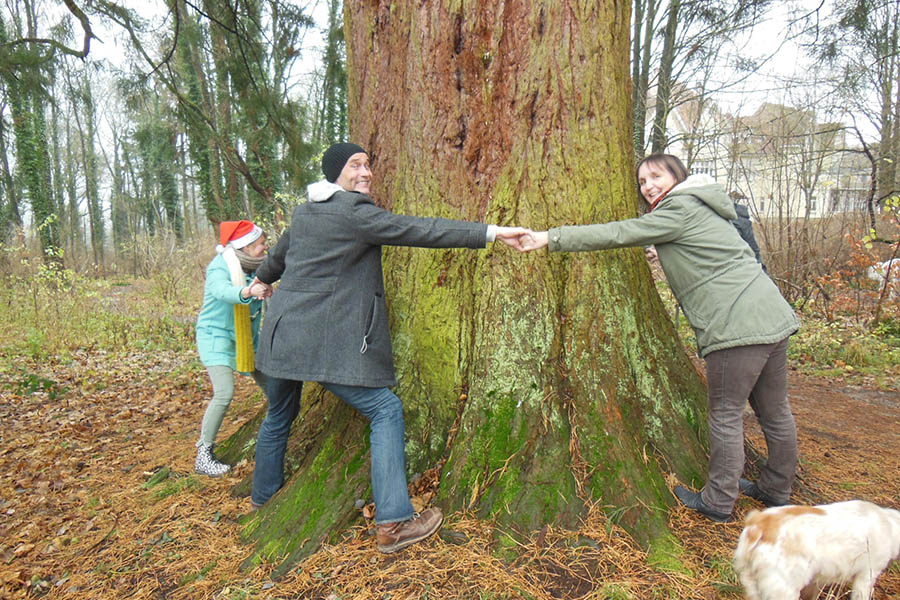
258 290
522 239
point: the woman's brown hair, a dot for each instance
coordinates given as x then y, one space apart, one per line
672 164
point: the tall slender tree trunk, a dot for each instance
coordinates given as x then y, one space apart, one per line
536 384
10 217
87 132
70 198
895 119
66 235
183 176
331 118
202 146
118 206
34 160
642 43
658 138
222 93
92 177
886 167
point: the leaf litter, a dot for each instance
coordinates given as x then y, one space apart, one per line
99 501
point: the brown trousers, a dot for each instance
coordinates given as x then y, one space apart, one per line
734 375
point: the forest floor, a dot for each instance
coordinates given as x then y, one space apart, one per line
99 501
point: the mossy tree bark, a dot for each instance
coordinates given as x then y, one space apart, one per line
560 376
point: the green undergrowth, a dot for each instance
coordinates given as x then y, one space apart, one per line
165 482
666 554
851 349
848 349
49 313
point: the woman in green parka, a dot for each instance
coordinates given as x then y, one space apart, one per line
741 321
229 282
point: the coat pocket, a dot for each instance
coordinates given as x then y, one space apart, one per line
371 321
695 317
699 305
271 339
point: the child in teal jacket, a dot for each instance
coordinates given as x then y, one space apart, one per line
229 278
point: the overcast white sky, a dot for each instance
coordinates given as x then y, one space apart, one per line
772 40
112 43
768 35
789 76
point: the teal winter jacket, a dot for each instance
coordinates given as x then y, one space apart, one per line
215 324
727 298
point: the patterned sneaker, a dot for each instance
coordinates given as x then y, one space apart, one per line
207 464
396 536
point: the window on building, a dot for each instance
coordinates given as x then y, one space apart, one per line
704 168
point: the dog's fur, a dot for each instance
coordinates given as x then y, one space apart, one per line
789 552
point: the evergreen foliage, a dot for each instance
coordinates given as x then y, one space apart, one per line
332 121
24 78
203 120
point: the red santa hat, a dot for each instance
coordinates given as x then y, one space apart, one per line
238 233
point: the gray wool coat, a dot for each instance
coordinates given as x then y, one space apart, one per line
327 321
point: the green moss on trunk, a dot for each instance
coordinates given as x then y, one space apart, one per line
327 468
546 382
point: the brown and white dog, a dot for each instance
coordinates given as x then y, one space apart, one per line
790 552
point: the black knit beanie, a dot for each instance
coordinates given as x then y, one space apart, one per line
336 157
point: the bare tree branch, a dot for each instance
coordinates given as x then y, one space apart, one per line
85 26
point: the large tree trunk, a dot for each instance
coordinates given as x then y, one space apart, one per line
561 377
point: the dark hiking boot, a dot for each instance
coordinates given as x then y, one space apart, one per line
749 488
391 537
693 501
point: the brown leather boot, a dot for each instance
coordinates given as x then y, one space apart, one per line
391 537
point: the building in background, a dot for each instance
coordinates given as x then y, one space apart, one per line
780 161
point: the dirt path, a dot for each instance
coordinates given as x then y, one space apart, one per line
849 449
849 441
81 441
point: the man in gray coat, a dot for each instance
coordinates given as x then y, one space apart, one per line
328 322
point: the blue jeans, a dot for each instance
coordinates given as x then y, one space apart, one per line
380 406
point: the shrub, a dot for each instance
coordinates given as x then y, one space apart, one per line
48 310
